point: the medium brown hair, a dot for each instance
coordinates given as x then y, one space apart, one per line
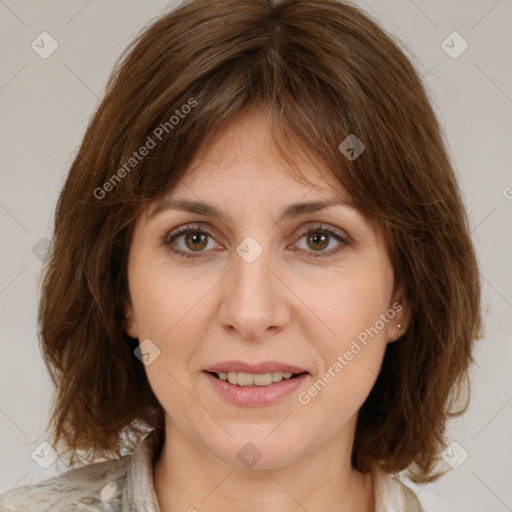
322 70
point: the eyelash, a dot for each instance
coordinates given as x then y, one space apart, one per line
196 229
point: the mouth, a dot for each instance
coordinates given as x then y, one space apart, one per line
255 385
245 379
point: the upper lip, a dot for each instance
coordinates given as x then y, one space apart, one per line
258 368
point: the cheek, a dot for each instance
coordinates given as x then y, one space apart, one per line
344 308
168 311
348 365
349 336
166 299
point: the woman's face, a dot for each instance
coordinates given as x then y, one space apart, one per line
252 288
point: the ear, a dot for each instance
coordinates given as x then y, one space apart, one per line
130 324
399 324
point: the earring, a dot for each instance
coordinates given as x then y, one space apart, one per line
399 326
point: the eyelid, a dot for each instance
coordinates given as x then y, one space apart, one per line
325 226
192 226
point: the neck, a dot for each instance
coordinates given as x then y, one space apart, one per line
187 476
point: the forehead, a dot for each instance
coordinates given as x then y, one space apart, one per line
244 155
242 171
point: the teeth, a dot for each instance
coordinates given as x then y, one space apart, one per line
251 379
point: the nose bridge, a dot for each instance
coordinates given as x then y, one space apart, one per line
253 300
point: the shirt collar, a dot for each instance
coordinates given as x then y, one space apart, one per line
139 492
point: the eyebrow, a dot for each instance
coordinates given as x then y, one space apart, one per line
289 212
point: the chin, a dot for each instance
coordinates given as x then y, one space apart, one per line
254 448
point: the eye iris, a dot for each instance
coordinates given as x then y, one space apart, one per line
196 238
320 239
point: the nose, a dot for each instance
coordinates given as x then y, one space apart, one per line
254 298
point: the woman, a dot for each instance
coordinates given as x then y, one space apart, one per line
262 292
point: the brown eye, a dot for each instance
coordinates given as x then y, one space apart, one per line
193 238
319 238
196 241
318 242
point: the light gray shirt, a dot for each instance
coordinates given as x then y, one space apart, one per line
126 485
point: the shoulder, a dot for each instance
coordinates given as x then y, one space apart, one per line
96 487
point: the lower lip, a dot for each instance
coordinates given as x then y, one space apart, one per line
256 396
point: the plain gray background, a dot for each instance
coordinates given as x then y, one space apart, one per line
45 107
